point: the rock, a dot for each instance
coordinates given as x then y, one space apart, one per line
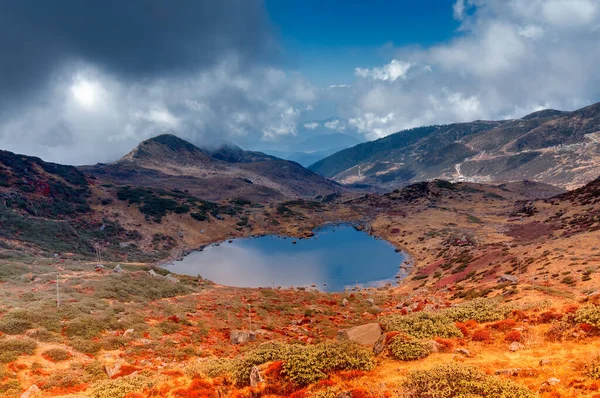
463 351
255 376
31 391
545 361
171 278
154 274
128 332
241 336
345 303
371 301
112 370
551 382
515 346
508 278
366 335
379 345
99 267
118 269
375 309
508 372
434 346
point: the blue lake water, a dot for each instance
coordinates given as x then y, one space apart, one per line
335 258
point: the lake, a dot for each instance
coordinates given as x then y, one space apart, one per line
335 258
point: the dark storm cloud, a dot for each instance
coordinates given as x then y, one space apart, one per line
134 39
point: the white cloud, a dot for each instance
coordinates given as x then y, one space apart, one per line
389 72
335 124
459 9
311 125
90 117
511 58
531 31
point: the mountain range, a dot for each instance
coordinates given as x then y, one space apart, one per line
555 147
226 171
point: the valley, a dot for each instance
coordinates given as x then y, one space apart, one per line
500 287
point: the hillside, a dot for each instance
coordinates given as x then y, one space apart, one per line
168 162
554 147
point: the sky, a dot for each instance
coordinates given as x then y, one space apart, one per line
85 81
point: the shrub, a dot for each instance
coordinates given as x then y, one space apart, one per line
11 349
57 354
169 327
589 314
479 309
592 370
10 324
481 335
122 386
513 336
212 368
44 335
304 364
504 325
85 327
421 325
455 380
407 348
86 346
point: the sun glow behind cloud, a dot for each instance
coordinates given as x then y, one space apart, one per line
87 93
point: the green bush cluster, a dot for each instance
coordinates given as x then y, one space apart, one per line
454 380
407 348
11 349
421 325
304 364
213 368
57 354
119 388
479 309
589 314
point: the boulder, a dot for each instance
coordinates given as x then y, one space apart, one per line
241 336
154 274
366 335
551 382
112 370
128 332
31 391
545 361
379 345
255 376
515 346
370 301
463 351
345 303
508 278
118 269
171 278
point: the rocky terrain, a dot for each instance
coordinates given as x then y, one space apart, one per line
500 298
554 147
168 162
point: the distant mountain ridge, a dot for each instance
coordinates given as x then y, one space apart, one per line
556 147
225 171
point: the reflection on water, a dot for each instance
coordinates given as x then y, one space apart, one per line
336 256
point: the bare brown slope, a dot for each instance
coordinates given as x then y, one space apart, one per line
555 147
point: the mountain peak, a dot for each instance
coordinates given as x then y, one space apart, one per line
167 148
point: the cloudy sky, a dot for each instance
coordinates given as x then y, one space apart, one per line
83 81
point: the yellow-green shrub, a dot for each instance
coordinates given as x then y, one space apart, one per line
57 354
453 380
421 325
592 369
304 364
407 348
479 309
119 388
589 314
11 349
